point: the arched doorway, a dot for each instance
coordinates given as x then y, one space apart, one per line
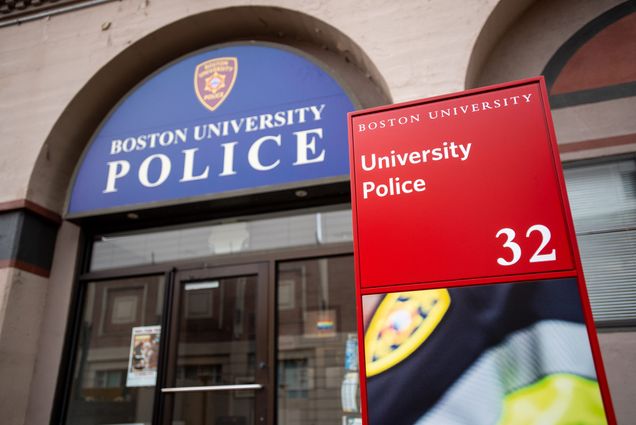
282 308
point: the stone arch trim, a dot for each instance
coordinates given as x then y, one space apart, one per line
559 65
520 46
504 14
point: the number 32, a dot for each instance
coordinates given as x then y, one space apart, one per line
537 257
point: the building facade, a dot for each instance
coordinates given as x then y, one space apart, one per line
107 311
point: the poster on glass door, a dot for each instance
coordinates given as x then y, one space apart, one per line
144 356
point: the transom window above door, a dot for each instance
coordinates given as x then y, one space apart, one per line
311 227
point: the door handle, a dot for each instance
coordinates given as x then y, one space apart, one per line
213 388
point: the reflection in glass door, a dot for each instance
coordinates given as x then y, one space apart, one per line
217 370
317 352
117 352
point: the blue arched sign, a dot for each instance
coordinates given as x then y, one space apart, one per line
252 117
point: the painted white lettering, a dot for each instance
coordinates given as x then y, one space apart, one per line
115 147
393 187
465 150
188 167
166 138
163 174
253 153
116 170
251 124
129 144
301 114
317 111
266 121
182 134
237 125
305 145
228 159
366 188
366 167
199 133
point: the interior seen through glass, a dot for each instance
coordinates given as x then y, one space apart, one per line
216 347
117 353
317 343
210 239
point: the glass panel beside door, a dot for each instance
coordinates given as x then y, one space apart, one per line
317 343
117 352
217 370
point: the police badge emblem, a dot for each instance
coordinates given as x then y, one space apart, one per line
402 322
214 79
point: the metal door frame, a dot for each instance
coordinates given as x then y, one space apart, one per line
269 259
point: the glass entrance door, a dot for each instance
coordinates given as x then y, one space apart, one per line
218 358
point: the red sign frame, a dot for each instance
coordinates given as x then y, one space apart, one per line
428 215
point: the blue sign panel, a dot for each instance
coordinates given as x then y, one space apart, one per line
243 117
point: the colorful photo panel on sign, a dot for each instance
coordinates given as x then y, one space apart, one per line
502 354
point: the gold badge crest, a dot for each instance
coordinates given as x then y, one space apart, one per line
402 322
214 79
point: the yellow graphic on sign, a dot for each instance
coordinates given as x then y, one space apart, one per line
556 399
402 322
